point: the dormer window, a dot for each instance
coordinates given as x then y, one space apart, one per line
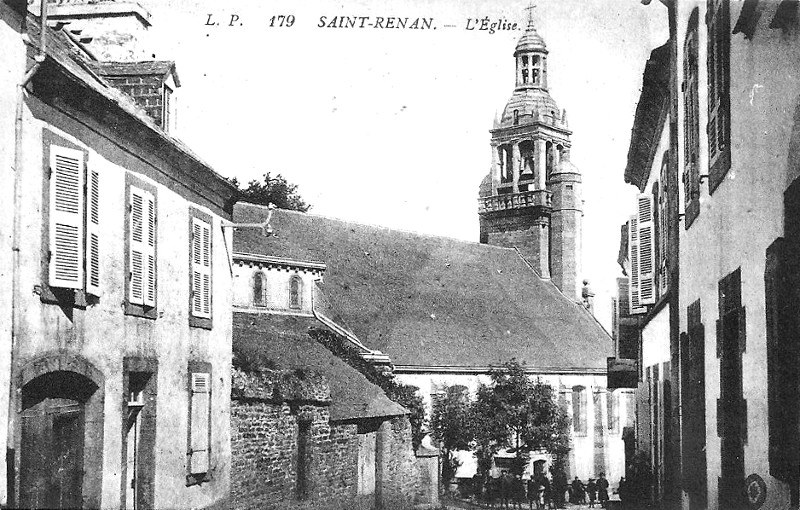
295 292
259 289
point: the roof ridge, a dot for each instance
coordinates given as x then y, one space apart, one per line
380 227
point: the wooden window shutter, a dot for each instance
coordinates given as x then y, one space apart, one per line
66 218
647 295
691 121
142 247
718 127
199 426
201 268
93 232
633 253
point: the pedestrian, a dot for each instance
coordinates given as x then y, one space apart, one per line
505 489
533 492
547 493
591 490
519 491
622 491
602 490
577 491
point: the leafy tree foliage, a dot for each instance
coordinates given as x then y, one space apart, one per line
520 414
273 190
452 425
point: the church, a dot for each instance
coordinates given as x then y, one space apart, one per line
442 311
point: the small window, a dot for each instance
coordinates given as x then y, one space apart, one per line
199 451
295 292
612 405
259 289
516 117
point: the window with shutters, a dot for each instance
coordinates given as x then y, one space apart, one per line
662 229
691 122
731 406
200 281
198 462
73 246
141 235
693 398
719 125
641 246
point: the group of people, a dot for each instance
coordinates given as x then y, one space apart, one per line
540 492
596 490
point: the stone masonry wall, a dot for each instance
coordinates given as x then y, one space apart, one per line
400 480
266 411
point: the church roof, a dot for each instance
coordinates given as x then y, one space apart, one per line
530 102
284 340
530 41
432 301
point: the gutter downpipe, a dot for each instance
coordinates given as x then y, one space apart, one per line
17 221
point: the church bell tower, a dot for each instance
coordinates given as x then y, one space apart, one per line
531 199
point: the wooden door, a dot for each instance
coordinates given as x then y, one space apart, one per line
51 466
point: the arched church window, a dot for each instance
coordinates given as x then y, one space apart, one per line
259 289
613 410
516 117
295 292
579 410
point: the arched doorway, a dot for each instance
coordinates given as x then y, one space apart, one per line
60 437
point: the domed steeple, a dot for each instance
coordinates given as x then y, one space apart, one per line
530 102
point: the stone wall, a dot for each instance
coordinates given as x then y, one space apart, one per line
397 470
267 410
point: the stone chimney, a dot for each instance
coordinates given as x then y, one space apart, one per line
118 29
116 34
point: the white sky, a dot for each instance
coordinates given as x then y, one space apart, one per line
391 127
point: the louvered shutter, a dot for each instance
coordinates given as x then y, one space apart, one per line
633 247
150 252
647 295
93 231
66 218
718 127
142 248
199 427
201 268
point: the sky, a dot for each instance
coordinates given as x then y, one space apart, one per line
391 127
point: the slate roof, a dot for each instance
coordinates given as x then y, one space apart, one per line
433 301
650 112
67 62
160 68
284 340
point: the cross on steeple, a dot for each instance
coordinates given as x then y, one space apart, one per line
530 9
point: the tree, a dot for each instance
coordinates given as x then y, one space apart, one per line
452 426
274 190
520 414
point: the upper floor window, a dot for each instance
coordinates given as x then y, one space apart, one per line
74 221
142 248
295 292
259 289
691 122
201 255
612 405
719 125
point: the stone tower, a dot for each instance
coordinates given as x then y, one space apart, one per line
531 198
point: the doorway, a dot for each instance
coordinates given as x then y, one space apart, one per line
53 422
